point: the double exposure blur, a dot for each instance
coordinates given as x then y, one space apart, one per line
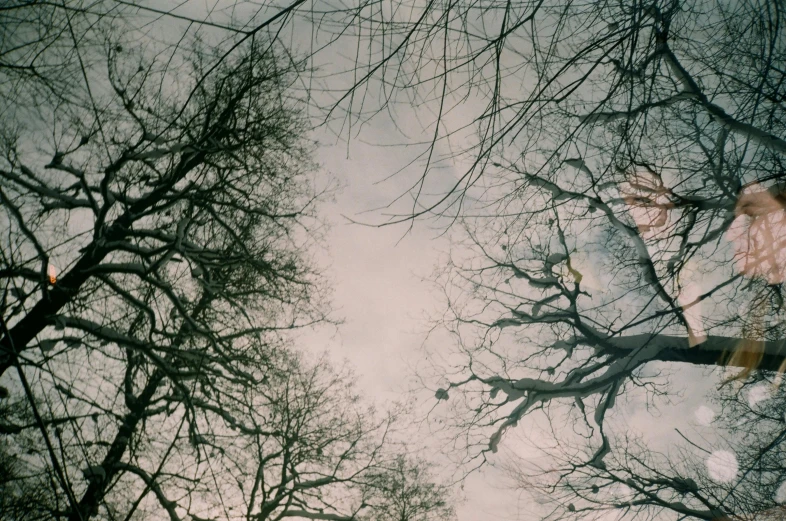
611 175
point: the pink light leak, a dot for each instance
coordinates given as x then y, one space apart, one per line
758 234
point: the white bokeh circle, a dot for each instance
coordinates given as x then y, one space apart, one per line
722 466
780 494
704 415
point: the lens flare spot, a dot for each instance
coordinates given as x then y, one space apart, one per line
722 466
704 415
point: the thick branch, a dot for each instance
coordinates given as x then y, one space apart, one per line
317 515
711 352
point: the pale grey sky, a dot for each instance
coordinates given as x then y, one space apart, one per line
381 290
380 279
380 282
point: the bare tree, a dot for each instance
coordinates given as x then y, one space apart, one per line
729 469
156 229
159 209
407 491
620 197
149 134
613 143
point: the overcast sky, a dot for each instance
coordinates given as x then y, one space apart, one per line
382 289
381 278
